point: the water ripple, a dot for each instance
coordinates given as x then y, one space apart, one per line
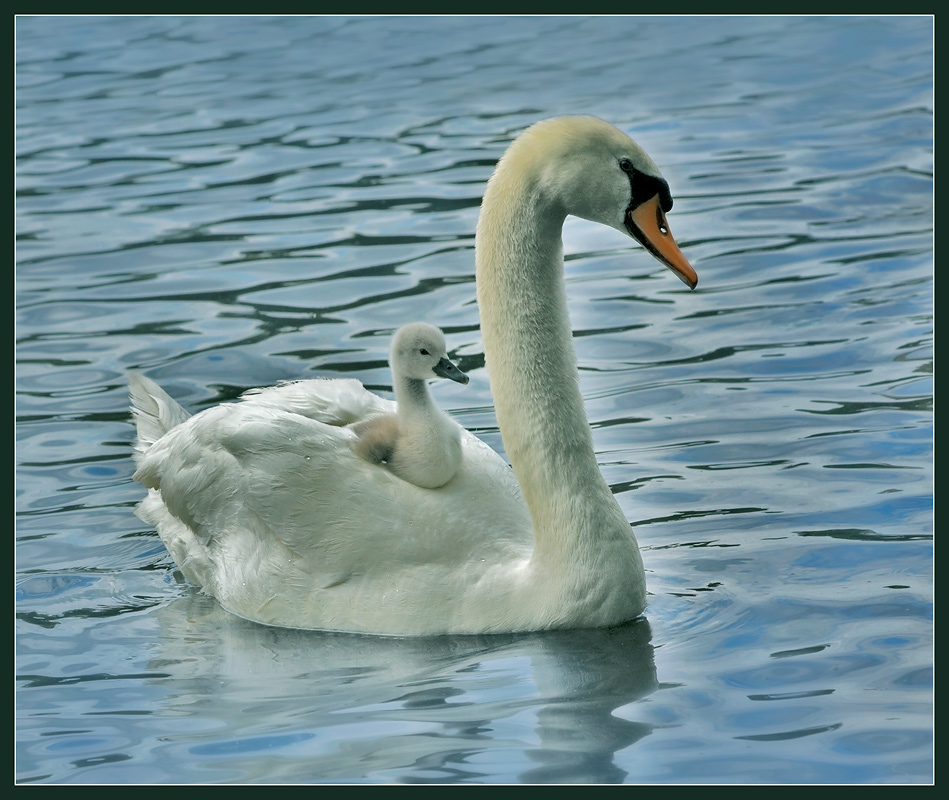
227 202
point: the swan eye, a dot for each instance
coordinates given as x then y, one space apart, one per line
626 165
424 352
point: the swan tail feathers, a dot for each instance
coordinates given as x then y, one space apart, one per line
154 411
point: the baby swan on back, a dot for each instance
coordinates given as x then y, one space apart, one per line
419 443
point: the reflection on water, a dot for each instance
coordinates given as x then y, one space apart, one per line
226 202
451 706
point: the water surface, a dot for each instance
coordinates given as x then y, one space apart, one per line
226 202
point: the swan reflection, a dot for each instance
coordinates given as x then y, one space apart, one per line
303 706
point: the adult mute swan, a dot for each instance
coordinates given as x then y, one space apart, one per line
265 505
419 443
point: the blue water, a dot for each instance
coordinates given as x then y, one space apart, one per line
223 203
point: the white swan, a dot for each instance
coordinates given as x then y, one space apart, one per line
419 443
264 504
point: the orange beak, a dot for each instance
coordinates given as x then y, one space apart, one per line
647 223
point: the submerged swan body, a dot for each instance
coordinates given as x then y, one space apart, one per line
418 442
265 505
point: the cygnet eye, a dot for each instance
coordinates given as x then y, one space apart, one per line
424 352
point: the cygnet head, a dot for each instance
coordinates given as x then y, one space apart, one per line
418 352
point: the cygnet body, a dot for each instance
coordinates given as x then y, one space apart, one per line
419 443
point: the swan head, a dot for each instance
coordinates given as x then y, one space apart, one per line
419 353
593 170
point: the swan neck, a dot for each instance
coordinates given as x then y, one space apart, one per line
531 362
412 397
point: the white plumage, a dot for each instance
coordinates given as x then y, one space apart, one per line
265 504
